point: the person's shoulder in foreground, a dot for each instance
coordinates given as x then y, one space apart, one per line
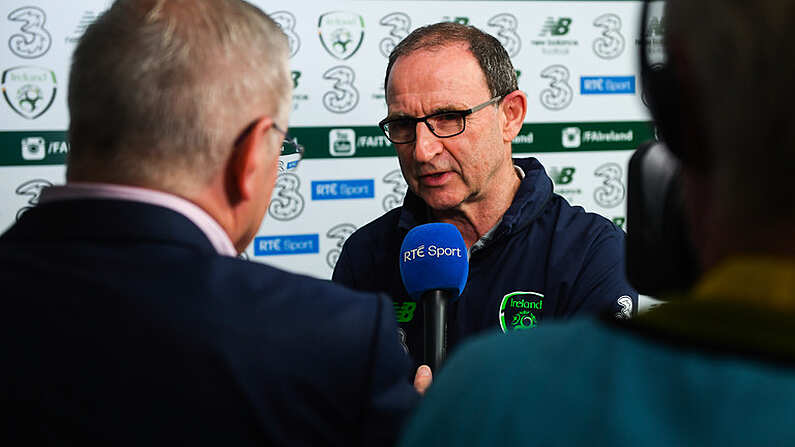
142 315
592 382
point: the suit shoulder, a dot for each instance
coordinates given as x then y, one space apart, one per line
374 233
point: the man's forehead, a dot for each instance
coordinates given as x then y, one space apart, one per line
446 73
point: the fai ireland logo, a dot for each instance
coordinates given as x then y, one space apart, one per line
611 44
29 91
341 233
287 203
520 310
32 40
286 22
559 94
506 25
341 33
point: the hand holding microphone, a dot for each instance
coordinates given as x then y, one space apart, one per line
434 269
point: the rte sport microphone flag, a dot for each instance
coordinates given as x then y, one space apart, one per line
434 257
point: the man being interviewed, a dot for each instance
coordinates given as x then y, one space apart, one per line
453 109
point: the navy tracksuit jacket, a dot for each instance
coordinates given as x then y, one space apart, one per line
545 260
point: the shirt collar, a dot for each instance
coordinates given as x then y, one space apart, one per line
209 226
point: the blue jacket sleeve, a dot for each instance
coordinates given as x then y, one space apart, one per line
601 286
343 269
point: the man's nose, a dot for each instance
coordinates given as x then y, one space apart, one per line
426 144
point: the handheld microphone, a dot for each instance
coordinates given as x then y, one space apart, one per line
434 269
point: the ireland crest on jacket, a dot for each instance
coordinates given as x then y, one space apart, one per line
520 310
341 33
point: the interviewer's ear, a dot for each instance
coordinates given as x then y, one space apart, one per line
513 109
250 155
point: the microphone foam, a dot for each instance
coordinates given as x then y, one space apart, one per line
434 256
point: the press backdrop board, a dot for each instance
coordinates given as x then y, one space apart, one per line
577 62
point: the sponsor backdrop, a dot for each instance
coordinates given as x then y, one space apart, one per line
575 60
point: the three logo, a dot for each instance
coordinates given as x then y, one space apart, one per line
286 21
341 233
29 90
400 25
33 39
611 44
506 25
32 189
345 96
559 94
287 203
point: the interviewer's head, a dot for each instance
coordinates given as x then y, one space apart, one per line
733 62
161 92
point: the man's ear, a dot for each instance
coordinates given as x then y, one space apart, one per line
245 161
513 110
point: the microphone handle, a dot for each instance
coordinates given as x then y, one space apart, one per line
434 310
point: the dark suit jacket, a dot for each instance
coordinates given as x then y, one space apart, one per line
121 324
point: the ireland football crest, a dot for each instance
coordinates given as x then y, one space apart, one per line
520 310
341 33
29 91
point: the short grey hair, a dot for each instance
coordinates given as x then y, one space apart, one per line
160 89
488 51
739 54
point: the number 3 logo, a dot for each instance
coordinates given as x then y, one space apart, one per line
612 191
401 24
287 203
560 94
34 40
344 97
286 22
611 44
506 34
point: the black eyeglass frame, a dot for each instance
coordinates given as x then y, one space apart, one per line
424 119
292 142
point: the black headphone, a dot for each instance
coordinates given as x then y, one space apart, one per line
660 258
661 88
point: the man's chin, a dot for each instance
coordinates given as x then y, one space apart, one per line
441 202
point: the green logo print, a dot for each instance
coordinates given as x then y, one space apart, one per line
520 310
562 176
523 320
554 27
404 312
296 75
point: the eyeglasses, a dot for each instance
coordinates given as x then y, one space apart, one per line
445 124
291 154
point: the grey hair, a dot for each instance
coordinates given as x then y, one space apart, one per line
160 89
488 51
739 55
